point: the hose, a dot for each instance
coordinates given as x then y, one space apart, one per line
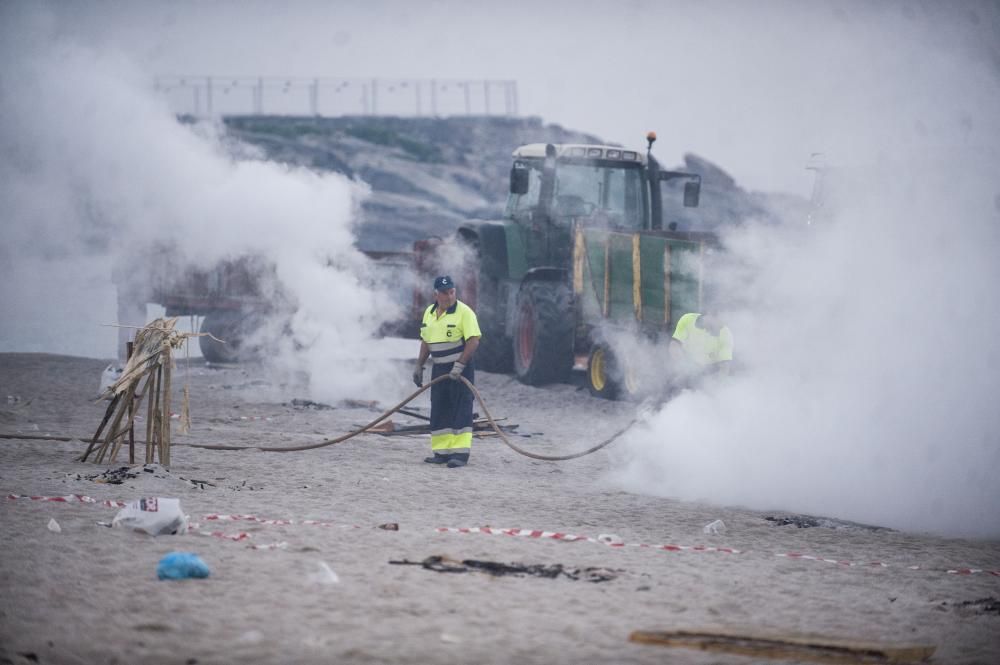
398 407
444 377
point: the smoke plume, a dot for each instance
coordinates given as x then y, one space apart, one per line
867 341
97 170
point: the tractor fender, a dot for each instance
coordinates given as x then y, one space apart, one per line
488 274
490 239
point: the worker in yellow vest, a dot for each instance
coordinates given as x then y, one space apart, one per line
449 336
701 345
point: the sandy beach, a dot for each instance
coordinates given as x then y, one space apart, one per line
89 594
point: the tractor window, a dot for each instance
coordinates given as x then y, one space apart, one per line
606 194
609 194
522 204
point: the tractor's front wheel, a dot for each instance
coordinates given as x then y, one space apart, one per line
543 333
608 377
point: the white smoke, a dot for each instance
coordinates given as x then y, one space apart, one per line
868 341
96 169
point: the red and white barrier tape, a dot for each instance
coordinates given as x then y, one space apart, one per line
882 564
195 528
614 541
809 557
71 498
214 517
604 539
259 520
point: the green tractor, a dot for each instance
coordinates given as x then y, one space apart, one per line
581 261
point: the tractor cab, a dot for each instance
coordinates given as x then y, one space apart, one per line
591 184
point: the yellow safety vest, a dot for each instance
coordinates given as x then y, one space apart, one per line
446 335
702 346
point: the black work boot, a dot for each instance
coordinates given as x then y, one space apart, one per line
457 460
437 459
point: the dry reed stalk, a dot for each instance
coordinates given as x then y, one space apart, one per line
165 439
185 423
113 427
129 348
100 428
158 414
116 435
151 391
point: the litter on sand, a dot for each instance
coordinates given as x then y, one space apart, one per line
808 521
325 575
155 515
988 605
716 528
443 564
180 566
309 404
110 476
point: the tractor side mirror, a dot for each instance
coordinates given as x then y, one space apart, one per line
518 180
692 194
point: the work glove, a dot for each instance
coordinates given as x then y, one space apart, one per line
456 370
418 375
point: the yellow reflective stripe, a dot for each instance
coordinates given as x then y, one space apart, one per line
636 278
666 283
579 255
453 443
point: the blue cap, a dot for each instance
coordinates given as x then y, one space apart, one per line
443 283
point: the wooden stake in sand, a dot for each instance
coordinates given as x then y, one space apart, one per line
131 413
150 359
769 648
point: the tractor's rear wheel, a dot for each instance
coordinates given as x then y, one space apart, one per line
543 333
608 377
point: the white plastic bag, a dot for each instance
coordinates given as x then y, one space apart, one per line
155 515
716 528
108 377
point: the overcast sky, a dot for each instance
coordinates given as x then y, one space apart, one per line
753 86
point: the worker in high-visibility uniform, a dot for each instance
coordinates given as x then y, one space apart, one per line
449 336
701 345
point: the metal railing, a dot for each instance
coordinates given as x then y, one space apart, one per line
326 96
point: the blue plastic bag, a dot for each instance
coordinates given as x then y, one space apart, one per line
181 565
